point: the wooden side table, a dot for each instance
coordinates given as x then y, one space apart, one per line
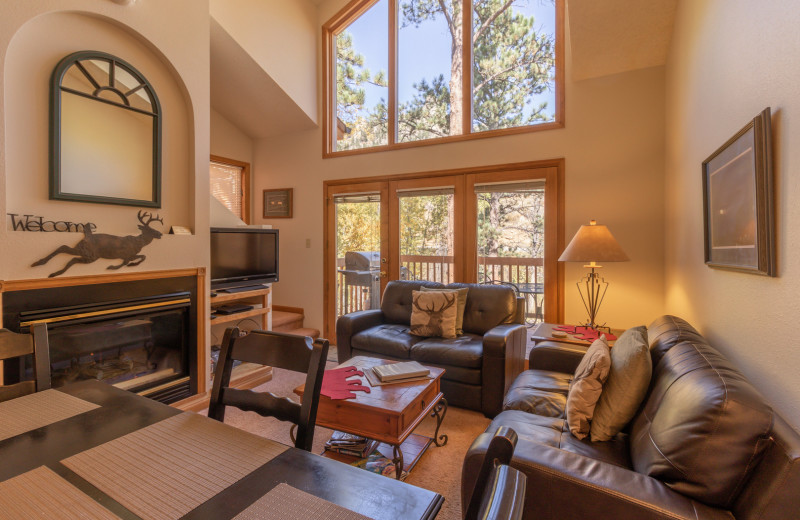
544 332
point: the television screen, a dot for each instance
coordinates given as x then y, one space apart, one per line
243 256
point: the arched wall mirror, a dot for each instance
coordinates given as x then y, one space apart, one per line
105 131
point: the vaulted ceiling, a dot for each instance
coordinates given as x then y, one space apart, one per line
613 36
605 37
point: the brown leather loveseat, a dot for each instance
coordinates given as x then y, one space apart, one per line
480 364
704 444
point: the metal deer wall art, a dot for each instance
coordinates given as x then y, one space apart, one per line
100 245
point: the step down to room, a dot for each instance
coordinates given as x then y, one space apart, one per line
290 320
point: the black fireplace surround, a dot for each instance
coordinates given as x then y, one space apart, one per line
139 336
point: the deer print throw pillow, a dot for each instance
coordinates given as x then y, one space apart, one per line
586 387
462 304
433 314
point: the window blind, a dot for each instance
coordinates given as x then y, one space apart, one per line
226 186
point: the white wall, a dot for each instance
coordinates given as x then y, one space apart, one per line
729 60
275 34
161 41
613 146
228 141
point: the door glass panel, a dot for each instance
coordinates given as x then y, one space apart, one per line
358 246
511 240
426 234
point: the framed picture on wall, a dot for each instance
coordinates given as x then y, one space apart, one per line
278 203
738 205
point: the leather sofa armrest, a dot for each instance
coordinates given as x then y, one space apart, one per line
562 484
503 361
556 356
351 324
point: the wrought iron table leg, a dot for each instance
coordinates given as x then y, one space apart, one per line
439 412
398 461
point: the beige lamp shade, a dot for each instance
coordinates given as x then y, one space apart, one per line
593 243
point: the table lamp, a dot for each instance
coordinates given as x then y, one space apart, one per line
593 244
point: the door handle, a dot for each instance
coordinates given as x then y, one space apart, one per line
383 274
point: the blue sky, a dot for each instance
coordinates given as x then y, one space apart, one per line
424 51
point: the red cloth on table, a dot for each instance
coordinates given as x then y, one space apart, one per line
584 333
336 386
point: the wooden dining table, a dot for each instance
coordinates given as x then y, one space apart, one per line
114 424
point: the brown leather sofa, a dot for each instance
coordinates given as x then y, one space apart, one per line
479 364
704 444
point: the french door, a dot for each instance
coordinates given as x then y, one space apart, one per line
490 225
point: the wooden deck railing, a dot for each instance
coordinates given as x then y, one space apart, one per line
351 298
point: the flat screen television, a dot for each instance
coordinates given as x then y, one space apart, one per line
242 257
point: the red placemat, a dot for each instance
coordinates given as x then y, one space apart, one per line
336 386
585 333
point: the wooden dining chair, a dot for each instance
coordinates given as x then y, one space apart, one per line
499 492
275 349
15 346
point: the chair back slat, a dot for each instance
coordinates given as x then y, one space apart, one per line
276 349
286 351
12 346
265 404
9 392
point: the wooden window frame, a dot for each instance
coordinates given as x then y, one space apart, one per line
355 9
246 213
465 246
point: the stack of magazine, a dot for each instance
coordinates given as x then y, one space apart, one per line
349 444
402 372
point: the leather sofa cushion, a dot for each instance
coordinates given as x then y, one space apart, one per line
396 302
487 306
467 376
667 331
539 392
386 340
463 351
536 430
703 426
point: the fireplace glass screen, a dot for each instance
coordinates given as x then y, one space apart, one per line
130 352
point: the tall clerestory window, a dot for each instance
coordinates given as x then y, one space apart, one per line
402 73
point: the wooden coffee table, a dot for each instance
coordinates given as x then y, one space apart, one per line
389 413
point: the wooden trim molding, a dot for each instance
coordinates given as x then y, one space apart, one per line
356 8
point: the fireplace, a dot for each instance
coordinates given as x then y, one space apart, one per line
132 335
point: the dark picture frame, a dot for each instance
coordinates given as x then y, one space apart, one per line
738 208
108 95
278 203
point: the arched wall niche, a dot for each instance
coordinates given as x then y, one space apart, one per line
32 54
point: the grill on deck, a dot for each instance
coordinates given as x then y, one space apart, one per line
362 273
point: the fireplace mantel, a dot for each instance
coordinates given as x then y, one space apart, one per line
199 274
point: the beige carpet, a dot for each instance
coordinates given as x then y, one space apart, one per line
438 470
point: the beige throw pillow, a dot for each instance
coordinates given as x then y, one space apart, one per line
434 314
462 303
628 380
586 386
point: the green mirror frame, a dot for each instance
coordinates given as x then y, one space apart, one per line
95 76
